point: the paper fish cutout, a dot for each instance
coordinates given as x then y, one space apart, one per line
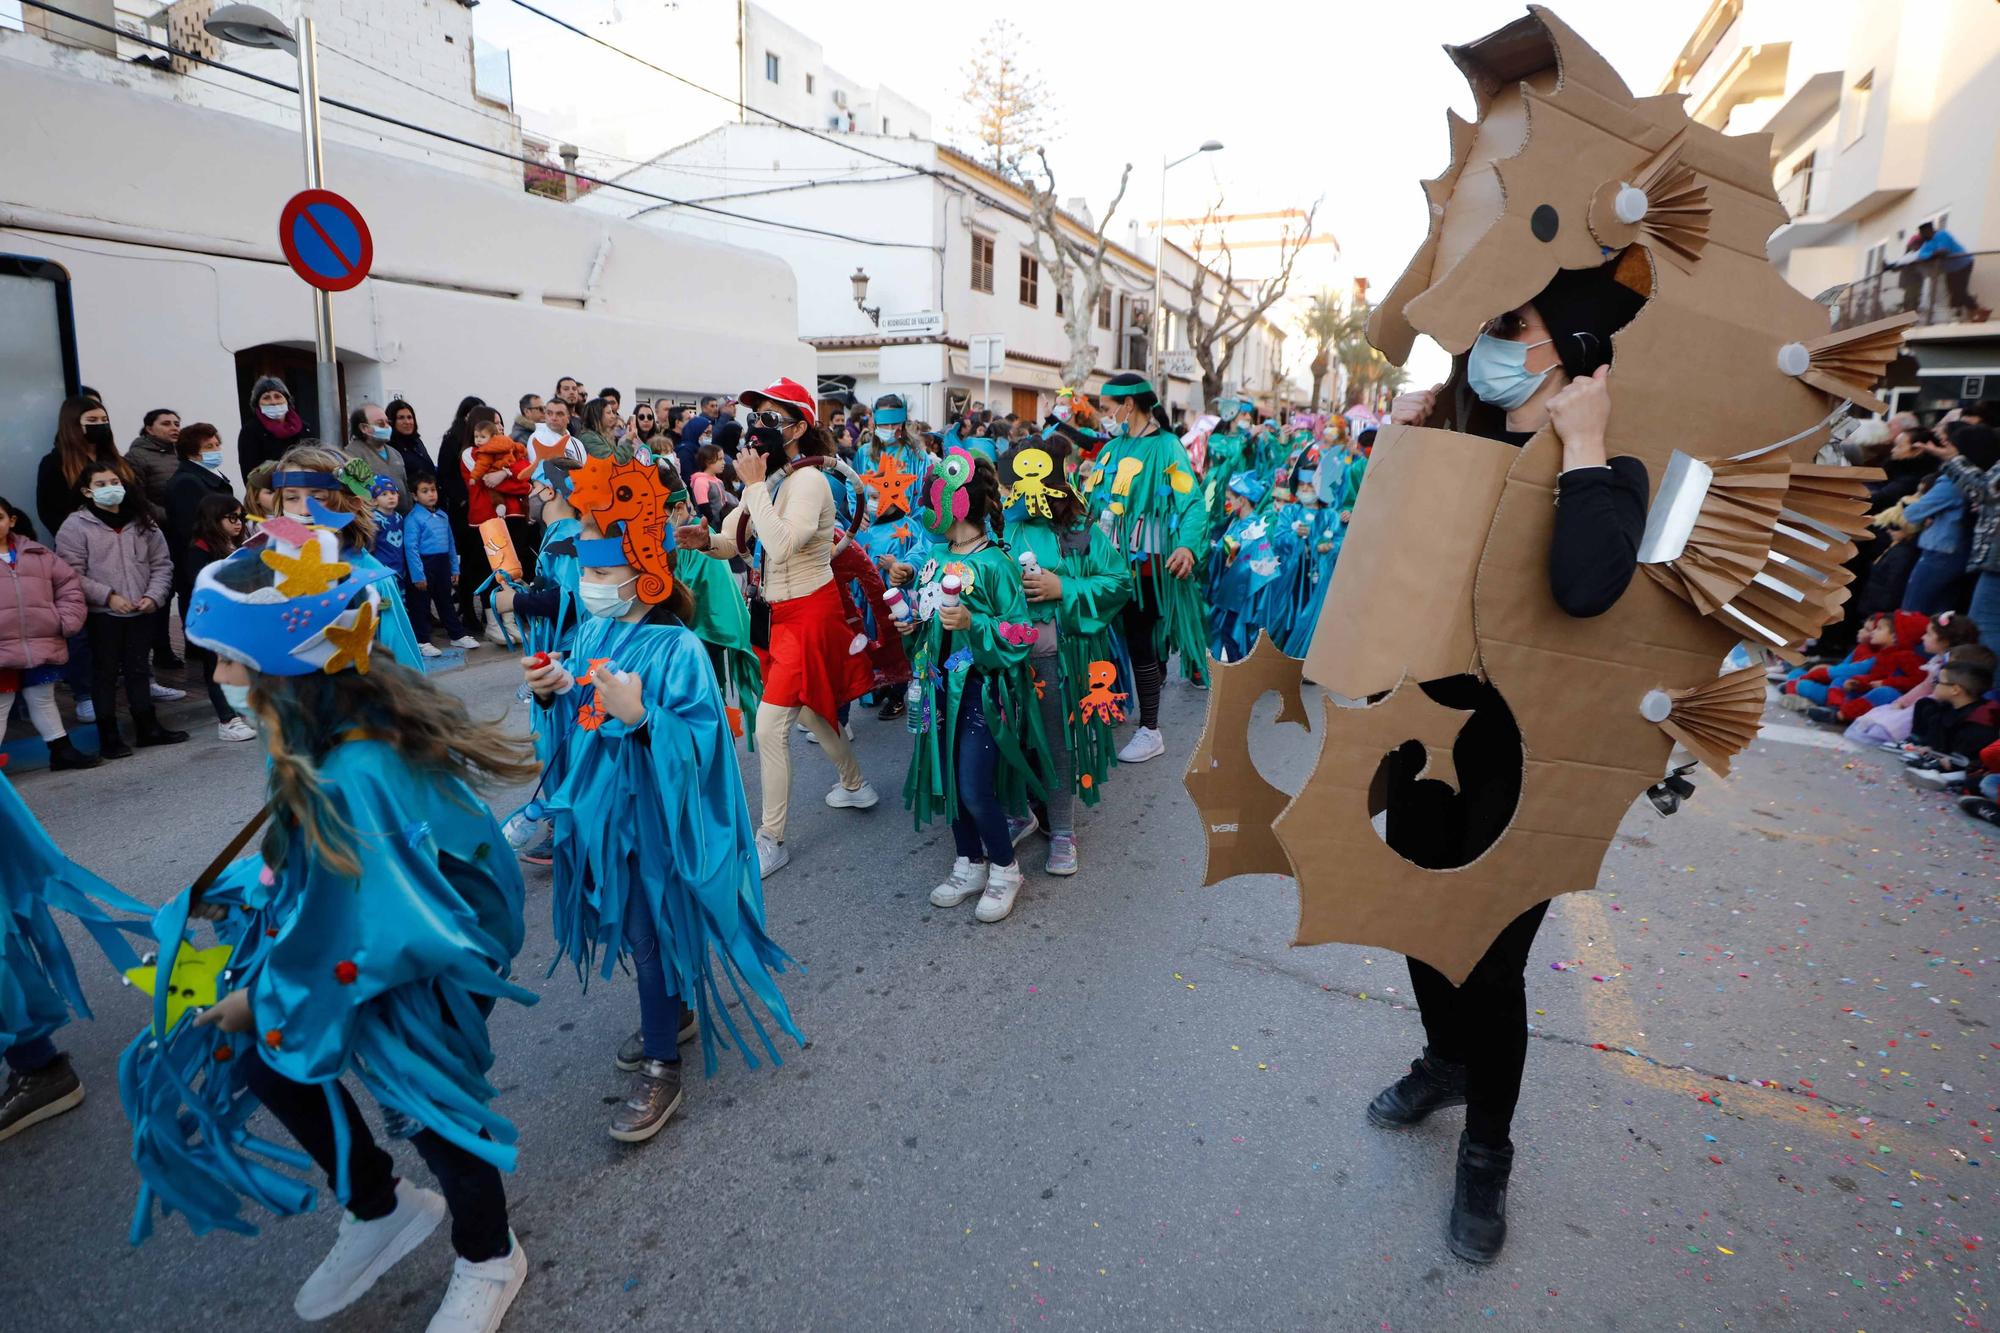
1180 478
1128 472
195 983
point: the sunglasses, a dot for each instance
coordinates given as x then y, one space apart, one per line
778 419
643 416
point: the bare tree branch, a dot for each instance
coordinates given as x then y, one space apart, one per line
1076 264
1215 338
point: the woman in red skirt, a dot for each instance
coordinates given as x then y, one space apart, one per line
786 529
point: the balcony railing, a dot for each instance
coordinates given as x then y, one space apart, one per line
1939 292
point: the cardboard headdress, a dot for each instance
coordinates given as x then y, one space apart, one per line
1446 559
889 410
1036 471
290 608
1249 486
629 501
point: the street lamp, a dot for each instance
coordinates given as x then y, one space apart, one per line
248 25
860 280
1159 263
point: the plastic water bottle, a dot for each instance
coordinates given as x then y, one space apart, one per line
1029 564
951 586
914 702
899 605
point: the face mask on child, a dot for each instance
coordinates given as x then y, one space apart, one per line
602 599
110 497
886 434
238 698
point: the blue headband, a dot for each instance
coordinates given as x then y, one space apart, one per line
891 416
602 552
318 481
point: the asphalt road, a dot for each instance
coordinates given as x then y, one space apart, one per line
1762 1093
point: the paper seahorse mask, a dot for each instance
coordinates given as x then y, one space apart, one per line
1444 573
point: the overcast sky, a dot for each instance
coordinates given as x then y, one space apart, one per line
1340 100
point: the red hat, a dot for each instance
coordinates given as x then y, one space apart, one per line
788 393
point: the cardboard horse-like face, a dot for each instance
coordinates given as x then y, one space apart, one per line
1444 572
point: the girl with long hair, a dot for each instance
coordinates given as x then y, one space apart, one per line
973 706
215 533
83 439
370 935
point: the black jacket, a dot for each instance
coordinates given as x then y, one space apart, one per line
256 446
186 489
55 498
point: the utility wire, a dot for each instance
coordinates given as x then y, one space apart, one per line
280 84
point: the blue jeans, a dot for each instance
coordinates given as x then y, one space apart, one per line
1985 609
28 1056
980 831
1933 585
661 1012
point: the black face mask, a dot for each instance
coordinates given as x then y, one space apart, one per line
98 434
769 441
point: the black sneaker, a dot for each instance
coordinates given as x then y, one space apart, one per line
892 707
1431 1085
1478 1226
39 1095
632 1051
1823 715
1980 808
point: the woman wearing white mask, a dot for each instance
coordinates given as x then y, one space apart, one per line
370 439
198 476
271 425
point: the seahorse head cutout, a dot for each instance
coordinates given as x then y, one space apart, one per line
1444 575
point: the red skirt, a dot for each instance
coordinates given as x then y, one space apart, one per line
807 664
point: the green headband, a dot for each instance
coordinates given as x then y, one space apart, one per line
1125 390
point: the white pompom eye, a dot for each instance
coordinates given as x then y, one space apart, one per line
1794 359
1630 205
1655 706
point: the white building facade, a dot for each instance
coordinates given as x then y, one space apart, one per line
950 257
1882 116
139 254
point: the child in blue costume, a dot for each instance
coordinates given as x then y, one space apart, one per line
1076 583
973 708
1244 568
895 473
890 439
1228 454
38 982
1318 549
370 936
655 862
310 475
1143 489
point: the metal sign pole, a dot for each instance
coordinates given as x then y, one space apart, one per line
326 367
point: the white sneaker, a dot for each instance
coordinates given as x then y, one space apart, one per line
496 633
235 729
480 1294
164 694
1002 883
430 650
771 856
86 710
846 733
1146 743
364 1251
465 641
967 880
861 798
1019 828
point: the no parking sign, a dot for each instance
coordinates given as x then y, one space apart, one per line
325 240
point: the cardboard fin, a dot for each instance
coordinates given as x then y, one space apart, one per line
1719 718
1848 364
1663 205
1237 805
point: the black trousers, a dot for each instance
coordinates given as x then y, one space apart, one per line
1483 1025
120 647
1137 623
204 659
472 1188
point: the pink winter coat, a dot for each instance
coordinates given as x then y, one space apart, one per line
41 605
131 561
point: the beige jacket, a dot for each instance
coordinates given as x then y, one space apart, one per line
797 533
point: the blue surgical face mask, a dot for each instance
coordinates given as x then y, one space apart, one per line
380 432
238 697
886 434
1497 371
109 497
212 459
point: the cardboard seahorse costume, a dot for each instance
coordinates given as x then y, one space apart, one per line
1724 385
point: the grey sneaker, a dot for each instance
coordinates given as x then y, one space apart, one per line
632 1051
41 1094
1062 854
656 1095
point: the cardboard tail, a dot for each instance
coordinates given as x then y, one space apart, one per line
1718 718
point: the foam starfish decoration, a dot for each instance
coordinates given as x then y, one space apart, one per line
891 483
352 644
307 574
194 984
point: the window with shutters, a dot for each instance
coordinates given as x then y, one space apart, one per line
1104 308
982 263
1031 280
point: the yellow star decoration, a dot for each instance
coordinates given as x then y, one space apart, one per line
352 644
197 977
307 574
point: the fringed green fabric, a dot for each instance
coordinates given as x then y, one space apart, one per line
1144 487
722 620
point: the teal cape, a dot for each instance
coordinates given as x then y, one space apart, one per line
722 621
1144 490
653 819
386 974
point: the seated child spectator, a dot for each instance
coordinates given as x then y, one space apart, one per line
1985 806
1900 670
1958 721
1878 632
1890 723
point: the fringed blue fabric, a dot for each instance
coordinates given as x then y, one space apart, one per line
652 819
